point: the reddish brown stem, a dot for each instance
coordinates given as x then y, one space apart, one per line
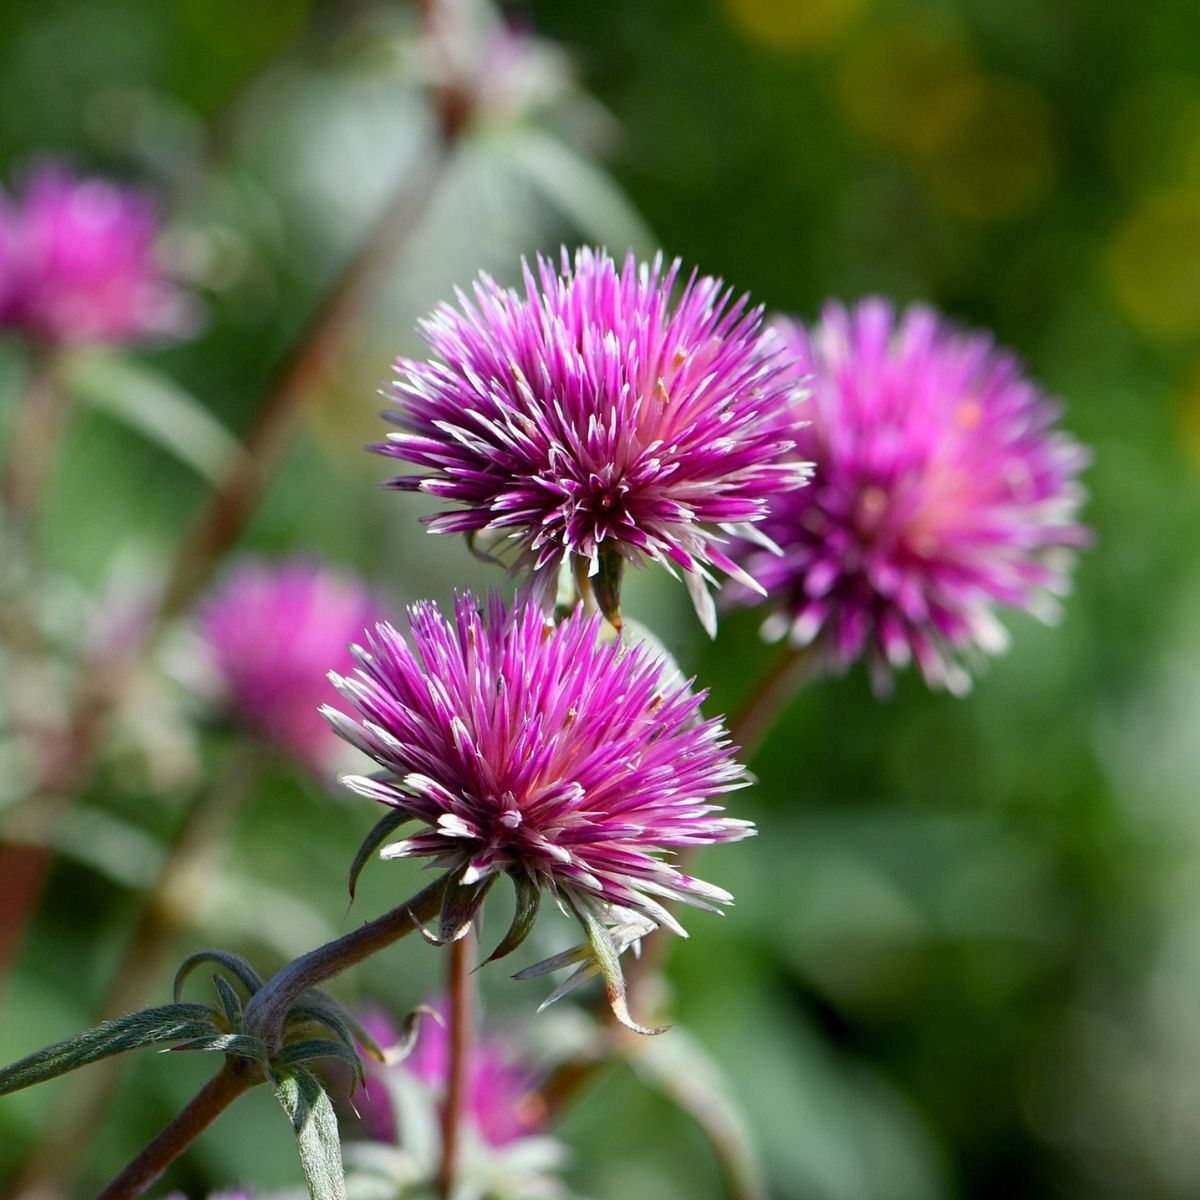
237 1076
461 1019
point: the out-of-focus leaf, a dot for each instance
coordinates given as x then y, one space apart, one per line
380 831
579 190
309 1109
155 407
166 1023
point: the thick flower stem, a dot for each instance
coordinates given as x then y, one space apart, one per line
51 1167
462 1016
237 1076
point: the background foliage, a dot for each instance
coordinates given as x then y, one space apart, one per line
966 948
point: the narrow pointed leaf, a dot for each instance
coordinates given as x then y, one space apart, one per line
240 1044
529 899
230 1001
311 1113
460 903
237 966
295 1053
380 832
167 1023
607 584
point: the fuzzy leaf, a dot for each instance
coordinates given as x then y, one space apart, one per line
380 832
311 1113
241 1044
529 899
607 583
166 1023
460 903
230 1001
295 1053
237 966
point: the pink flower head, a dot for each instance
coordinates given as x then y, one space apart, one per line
539 750
271 631
77 263
589 421
501 1101
941 490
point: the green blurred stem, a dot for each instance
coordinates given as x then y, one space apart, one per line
236 1077
769 697
166 910
37 430
462 1003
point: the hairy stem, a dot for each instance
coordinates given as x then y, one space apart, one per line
238 1075
461 989
270 1005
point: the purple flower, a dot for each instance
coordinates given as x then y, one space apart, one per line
77 263
271 630
541 751
588 421
501 1101
941 491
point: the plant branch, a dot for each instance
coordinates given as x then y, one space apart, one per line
458 1081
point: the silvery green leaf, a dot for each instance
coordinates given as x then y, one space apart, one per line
460 903
240 1044
156 407
310 1111
166 1023
230 1001
529 899
237 966
380 832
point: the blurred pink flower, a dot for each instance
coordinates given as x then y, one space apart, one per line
501 1100
941 490
273 630
77 263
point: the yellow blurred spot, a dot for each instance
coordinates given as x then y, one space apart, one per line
793 24
1001 158
1154 263
968 414
1154 132
909 85
1189 413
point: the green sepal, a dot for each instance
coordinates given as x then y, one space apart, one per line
166 1023
460 903
529 899
310 1111
237 966
607 961
606 583
380 832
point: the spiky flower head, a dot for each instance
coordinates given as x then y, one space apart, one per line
941 491
271 630
77 263
589 421
544 752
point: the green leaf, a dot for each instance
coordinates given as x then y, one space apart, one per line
380 832
460 903
237 966
295 1053
230 1001
607 583
167 1023
240 1044
156 407
311 1113
529 899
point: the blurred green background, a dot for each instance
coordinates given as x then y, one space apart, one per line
965 957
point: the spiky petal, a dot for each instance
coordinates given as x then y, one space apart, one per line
942 490
538 749
589 421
